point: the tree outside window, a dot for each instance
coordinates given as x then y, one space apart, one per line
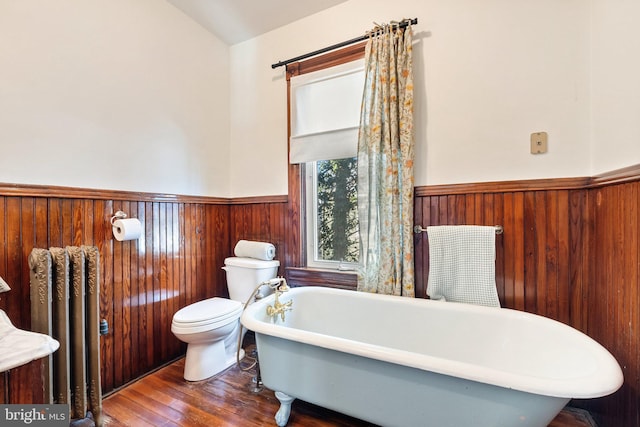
337 210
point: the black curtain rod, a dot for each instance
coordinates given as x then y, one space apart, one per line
402 24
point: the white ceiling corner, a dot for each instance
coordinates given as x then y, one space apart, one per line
234 21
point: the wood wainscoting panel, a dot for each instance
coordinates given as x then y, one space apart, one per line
143 282
538 263
612 296
265 222
569 251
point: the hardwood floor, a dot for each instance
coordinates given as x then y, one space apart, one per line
163 398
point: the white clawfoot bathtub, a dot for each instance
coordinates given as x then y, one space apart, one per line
398 361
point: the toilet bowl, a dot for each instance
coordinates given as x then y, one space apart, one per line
211 327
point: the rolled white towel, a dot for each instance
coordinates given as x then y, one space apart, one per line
258 250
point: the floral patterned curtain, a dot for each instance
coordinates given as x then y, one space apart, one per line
385 164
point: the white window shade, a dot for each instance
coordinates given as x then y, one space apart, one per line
325 113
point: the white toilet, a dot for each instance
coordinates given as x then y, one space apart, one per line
210 327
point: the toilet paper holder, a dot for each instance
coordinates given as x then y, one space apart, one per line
118 215
125 228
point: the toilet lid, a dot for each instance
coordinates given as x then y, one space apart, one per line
207 311
250 263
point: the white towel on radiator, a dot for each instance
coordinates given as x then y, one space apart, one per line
462 264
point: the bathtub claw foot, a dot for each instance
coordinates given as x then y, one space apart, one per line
282 416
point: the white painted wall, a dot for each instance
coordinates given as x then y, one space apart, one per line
616 84
133 95
487 75
118 94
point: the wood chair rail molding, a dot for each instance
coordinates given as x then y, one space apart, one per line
31 190
618 176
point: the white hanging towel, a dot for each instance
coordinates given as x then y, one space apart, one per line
462 264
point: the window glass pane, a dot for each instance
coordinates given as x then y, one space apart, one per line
337 210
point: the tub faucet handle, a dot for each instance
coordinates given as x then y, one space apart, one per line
278 308
283 285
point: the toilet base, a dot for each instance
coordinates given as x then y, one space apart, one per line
206 360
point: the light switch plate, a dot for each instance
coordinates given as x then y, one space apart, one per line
539 142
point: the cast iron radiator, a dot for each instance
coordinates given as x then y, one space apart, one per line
65 300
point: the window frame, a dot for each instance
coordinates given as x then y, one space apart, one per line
311 200
299 267
310 203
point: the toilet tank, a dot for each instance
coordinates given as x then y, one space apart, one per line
245 274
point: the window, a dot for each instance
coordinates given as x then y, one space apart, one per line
332 213
325 114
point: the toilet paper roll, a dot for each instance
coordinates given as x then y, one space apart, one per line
127 229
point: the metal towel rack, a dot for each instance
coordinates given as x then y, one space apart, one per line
419 229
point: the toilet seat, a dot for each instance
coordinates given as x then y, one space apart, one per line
207 314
